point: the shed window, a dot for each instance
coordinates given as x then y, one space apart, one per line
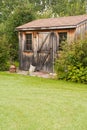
28 43
62 39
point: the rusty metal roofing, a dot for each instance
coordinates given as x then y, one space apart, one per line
54 23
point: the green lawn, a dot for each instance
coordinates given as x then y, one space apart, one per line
31 103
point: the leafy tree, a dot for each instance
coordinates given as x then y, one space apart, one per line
59 7
40 5
46 13
7 7
4 54
76 7
20 16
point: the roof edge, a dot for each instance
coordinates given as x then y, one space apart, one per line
45 28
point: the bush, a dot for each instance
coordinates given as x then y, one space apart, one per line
4 55
77 74
72 61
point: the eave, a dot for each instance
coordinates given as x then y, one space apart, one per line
46 28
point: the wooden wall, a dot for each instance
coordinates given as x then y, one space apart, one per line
81 31
48 51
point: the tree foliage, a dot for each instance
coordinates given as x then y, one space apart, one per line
4 54
7 7
15 19
61 7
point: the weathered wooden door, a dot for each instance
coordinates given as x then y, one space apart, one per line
47 50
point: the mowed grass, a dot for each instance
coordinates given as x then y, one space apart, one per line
31 103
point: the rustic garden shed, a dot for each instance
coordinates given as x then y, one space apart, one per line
40 40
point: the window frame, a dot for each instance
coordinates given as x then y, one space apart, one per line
28 42
61 40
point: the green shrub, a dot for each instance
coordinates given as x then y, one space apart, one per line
77 74
72 62
4 55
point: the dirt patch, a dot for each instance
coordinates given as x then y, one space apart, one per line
38 74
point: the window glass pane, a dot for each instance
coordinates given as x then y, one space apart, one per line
62 38
28 44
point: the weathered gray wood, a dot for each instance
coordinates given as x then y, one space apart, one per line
43 53
43 43
46 58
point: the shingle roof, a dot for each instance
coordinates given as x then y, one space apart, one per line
61 22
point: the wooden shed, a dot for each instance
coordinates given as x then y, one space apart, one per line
40 40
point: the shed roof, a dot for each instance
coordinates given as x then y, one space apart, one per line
54 23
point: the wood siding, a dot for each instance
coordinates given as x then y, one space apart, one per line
81 31
45 47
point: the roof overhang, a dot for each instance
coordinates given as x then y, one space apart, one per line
46 28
